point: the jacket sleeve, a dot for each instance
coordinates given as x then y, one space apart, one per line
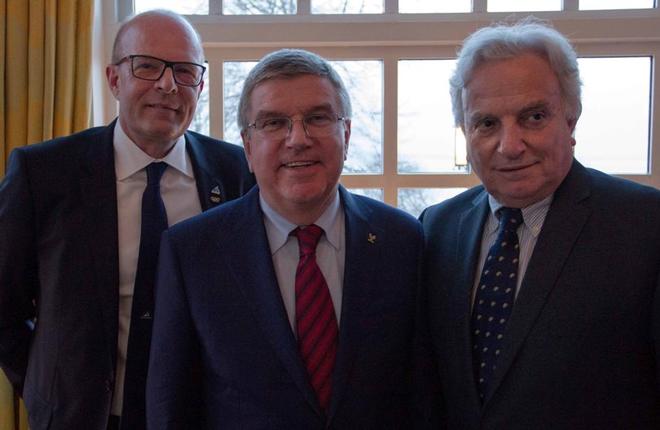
18 269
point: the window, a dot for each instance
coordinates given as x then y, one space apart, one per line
523 5
347 6
615 4
613 132
190 7
396 56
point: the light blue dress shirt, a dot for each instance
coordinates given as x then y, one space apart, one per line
330 253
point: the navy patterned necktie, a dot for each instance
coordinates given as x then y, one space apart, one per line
154 222
494 298
316 323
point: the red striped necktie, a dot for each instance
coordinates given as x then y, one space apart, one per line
315 316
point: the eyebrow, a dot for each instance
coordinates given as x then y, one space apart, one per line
532 106
538 105
326 107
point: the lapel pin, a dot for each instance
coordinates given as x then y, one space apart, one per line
215 195
371 238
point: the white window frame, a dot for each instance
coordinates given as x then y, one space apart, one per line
388 37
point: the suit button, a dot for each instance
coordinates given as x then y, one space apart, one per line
108 385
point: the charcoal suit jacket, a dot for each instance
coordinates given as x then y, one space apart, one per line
59 268
582 346
219 309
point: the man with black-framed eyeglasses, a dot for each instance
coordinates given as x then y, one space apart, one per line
151 68
80 224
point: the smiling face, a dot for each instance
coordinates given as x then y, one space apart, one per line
297 175
155 113
518 132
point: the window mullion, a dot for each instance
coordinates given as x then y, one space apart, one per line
304 7
390 156
479 5
215 7
391 7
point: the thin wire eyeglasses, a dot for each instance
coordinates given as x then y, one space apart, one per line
315 126
151 68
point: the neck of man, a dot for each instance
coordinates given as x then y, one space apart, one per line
304 213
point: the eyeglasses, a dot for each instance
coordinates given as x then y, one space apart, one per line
315 126
152 69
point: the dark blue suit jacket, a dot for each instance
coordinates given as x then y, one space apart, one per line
59 267
219 309
582 345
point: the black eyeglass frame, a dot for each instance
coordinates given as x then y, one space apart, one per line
167 64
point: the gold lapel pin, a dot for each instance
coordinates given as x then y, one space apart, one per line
371 238
215 195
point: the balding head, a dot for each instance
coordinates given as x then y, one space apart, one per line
154 113
155 23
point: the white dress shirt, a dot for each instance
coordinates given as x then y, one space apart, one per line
179 192
528 233
330 254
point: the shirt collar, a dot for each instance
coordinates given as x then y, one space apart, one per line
278 227
533 215
129 158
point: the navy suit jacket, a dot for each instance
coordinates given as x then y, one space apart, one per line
59 269
582 346
219 309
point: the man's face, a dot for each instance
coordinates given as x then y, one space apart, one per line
296 174
518 136
155 112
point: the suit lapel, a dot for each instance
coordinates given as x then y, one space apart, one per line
261 291
357 291
567 215
209 187
99 197
470 232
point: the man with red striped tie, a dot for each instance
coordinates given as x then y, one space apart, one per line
295 305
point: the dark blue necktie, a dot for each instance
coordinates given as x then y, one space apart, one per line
494 298
154 222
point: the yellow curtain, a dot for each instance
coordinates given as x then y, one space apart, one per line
45 69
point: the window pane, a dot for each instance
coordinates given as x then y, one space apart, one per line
374 193
363 79
259 7
364 82
523 5
613 132
234 74
428 142
190 7
615 4
347 6
201 122
415 200
434 6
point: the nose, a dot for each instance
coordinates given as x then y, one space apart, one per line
166 83
512 141
297 133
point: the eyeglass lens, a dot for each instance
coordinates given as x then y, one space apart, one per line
152 69
320 125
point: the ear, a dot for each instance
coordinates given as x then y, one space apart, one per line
247 145
347 136
112 76
200 87
572 122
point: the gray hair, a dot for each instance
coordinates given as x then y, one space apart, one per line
151 14
288 64
501 41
